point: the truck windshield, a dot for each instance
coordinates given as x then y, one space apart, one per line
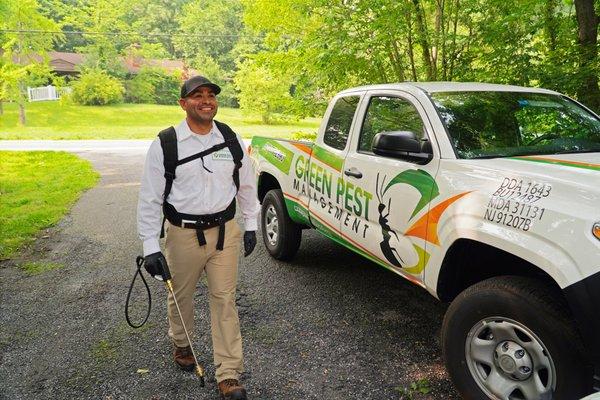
505 124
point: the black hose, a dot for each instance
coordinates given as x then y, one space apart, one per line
139 262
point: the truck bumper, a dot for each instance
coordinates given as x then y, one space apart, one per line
584 300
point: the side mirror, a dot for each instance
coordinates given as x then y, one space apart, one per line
403 145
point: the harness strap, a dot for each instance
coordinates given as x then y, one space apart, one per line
201 222
168 142
235 148
203 153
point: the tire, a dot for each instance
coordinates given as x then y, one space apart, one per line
281 235
503 334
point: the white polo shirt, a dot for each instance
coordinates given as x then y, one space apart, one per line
195 190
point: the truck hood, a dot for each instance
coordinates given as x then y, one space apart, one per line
579 170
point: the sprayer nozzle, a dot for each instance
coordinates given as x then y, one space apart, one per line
200 374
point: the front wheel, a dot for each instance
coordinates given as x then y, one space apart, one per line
511 338
281 235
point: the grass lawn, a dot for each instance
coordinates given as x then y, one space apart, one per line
36 190
53 120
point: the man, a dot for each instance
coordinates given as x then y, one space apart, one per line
198 202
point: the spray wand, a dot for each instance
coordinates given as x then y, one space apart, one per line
168 280
166 275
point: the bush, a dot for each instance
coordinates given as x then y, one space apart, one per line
153 85
308 136
96 87
139 91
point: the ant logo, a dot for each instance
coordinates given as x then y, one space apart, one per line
389 252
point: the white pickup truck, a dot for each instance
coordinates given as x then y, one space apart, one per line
487 196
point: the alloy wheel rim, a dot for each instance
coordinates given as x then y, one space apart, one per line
272 225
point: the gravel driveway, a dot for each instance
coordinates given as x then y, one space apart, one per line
329 325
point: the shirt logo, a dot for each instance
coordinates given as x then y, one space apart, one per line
222 155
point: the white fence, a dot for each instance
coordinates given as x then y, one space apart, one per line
46 93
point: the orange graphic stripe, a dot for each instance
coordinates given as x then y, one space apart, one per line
426 227
303 147
349 239
556 161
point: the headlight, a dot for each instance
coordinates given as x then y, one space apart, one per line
596 230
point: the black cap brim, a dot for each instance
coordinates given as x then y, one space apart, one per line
215 88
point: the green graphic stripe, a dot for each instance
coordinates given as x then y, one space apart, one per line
328 158
336 237
593 167
324 229
275 153
421 181
423 260
297 212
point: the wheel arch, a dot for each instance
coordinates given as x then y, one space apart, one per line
461 267
266 182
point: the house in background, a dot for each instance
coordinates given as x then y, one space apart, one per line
67 64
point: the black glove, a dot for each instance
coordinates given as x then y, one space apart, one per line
156 265
249 242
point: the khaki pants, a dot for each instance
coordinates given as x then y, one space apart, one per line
187 260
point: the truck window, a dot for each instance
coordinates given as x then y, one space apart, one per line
386 114
340 119
507 124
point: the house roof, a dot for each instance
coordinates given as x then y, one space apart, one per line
62 61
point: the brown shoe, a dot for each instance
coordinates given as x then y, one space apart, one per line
184 358
230 389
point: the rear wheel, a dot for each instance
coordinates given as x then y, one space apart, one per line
511 338
281 235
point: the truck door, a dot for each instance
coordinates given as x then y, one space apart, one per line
324 173
387 197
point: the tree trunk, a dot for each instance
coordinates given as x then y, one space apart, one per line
423 40
21 102
396 58
454 52
551 24
587 22
411 53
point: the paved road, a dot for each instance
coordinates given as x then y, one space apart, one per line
328 325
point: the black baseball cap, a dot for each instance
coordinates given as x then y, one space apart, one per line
194 83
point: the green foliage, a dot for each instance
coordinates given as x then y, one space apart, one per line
214 56
308 136
262 92
22 57
416 388
327 46
96 87
153 85
218 18
37 189
102 51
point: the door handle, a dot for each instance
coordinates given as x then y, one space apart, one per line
353 172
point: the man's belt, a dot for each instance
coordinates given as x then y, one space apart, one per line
201 222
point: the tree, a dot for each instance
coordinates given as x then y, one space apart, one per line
23 53
106 21
325 46
211 31
587 21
